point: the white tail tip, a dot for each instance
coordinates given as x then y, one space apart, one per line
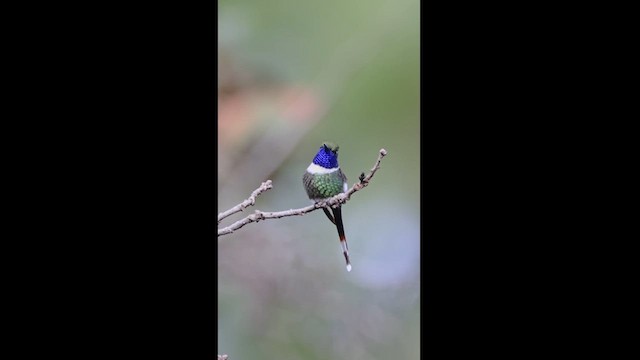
348 267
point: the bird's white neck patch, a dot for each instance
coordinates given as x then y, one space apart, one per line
317 169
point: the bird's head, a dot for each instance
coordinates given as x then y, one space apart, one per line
327 156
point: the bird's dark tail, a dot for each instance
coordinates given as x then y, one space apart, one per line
337 215
329 216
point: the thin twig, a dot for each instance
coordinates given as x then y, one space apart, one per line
334 201
250 201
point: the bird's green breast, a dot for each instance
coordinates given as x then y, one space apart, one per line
324 185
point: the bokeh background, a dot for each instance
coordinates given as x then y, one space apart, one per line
292 75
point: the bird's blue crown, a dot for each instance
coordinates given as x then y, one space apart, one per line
327 156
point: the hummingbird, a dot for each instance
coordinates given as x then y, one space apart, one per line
324 179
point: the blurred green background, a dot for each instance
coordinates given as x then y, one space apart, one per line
292 75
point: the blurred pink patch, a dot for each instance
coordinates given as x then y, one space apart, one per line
240 112
299 104
234 117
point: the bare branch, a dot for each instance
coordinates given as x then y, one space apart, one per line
250 201
365 181
261 215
